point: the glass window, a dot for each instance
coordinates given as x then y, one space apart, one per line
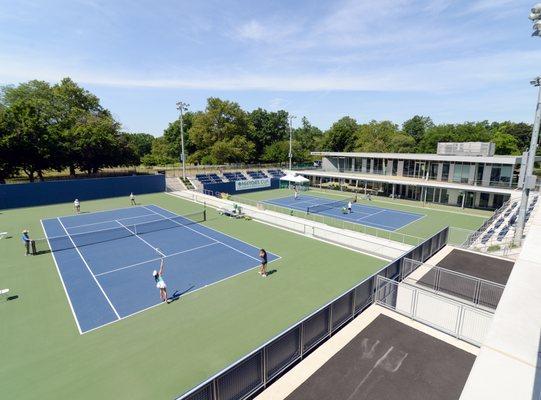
465 173
409 166
433 170
445 171
457 174
480 169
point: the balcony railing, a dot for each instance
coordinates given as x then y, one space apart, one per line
502 183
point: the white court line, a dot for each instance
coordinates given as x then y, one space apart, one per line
108 221
185 294
202 234
415 220
369 215
140 238
384 227
62 280
156 259
96 212
89 270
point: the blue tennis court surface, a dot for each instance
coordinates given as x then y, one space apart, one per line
105 259
374 216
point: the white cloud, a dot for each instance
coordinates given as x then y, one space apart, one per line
463 74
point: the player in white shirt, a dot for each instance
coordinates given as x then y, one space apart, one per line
77 206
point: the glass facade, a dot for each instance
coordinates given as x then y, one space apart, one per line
461 173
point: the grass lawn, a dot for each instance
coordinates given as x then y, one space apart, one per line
168 349
461 221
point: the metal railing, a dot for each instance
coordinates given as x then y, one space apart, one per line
477 233
256 370
463 321
477 291
512 183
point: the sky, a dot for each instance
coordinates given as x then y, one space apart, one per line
452 60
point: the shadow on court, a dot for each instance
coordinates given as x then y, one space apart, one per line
389 360
177 293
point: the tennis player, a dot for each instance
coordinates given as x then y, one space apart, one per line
132 199
77 206
25 238
263 266
160 283
349 207
296 192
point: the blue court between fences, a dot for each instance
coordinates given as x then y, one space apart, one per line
105 259
374 216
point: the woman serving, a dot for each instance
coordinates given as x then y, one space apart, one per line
160 283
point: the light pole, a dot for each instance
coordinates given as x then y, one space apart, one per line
181 106
529 179
291 118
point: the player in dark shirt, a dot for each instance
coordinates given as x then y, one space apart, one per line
263 266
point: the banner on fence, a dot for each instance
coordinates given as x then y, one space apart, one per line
252 184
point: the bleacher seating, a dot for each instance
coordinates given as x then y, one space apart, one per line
208 178
276 173
256 174
235 176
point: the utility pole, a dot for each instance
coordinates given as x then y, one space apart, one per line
291 117
182 107
529 179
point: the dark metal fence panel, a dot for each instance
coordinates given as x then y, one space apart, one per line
393 270
315 329
205 393
283 351
363 295
242 380
342 310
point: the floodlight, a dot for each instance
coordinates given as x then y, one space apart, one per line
534 16
536 9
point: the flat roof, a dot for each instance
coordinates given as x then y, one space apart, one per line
508 159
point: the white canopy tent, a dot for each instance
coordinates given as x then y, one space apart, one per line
291 180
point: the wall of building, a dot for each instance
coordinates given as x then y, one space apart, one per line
229 187
329 164
51 192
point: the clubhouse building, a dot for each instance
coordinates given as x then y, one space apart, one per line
460 174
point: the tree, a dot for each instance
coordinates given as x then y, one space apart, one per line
171 136
159 154
7 164
417 126
140 142
520 131
382 136
99 144
33 146
235 150
342 135
505 143
309 137
222 120
269 127
278 152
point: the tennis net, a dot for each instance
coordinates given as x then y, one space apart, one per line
327 206
58 243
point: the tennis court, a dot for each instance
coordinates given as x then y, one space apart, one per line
374 216
105 259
